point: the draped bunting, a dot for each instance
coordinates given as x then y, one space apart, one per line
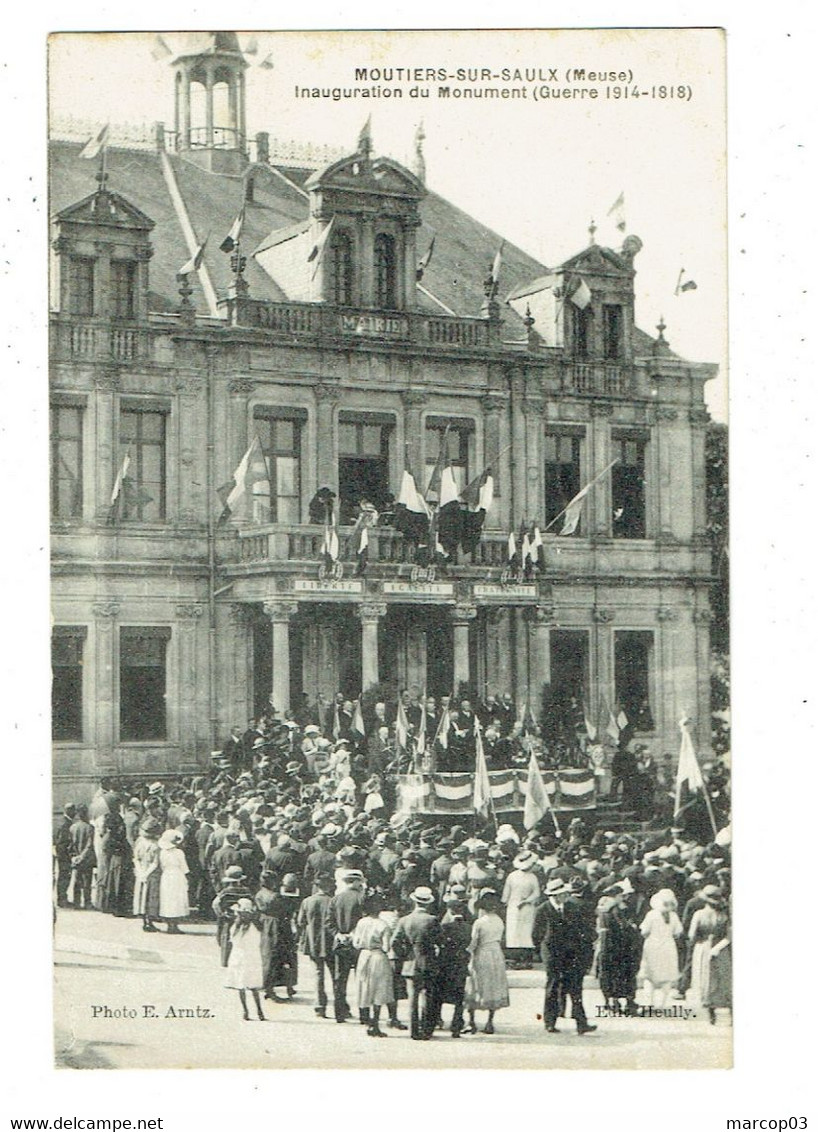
454 793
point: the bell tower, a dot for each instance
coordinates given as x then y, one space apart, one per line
209 84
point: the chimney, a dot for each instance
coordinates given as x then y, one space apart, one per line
263 148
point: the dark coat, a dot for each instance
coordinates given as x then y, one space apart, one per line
314 930
563 937
417 940
453 959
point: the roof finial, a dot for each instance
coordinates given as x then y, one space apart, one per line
592 231
661 326
365 138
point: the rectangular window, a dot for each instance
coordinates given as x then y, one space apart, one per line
633 661
142 434
612 331
457 441
580 331
142 684
363 462
563 711
279 500
628 487
67 648
123 288
561 474
81 286
66 461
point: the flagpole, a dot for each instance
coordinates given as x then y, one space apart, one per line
588 485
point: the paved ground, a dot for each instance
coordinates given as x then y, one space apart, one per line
154 986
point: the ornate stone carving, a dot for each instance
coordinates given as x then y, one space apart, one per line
602 616
326 392
107 380
280 610
190 611
413 398
241 385
666 413
540 614
370 611
106 609
493 403
463 613
666 613
601 409
703 616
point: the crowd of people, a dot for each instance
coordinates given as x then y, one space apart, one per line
293 846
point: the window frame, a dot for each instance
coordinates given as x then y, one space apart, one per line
128 314
613 345
464 428
140 410
61 405
79 634
161 633
342 269
360 420
74 291
577 437
649 637
268 416
385 272
641 439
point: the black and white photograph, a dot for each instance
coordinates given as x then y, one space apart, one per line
390 637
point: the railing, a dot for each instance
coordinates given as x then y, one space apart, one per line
314 319
98 340
303 544
595 377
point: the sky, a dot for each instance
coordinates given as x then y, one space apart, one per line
536 171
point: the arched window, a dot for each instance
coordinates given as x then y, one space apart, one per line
341 270
385 273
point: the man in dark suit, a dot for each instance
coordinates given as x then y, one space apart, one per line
345 910
564 938
417 942
316 936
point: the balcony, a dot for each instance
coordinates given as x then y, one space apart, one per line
299 544
314 320
605 378
88 340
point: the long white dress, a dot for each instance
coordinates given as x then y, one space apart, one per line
245 970
521 886
173 900
660 956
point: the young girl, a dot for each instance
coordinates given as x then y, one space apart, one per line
374 971
660 956
244 965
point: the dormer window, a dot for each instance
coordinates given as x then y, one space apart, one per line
385 272
612 331
123 288
342 270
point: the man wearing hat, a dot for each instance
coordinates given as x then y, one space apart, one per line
620 947
322 860
345 910
560 932
315 935
234 888
62 852
417 942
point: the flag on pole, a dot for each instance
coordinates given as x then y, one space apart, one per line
94 146
537 802
525 548
621 720
317 253
252 469
412 513
688 285
537 297
425 260
267 63
233 237
573 512
420 741
581 295
617 211
401 728
689 778
443 728
117 491
336 722
511 551
482 783
433 488
330 547
537 548
160 49
611 726
450 511
195 261
497 264
477 498
357 725
590 726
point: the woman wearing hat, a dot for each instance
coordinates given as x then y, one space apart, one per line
146 874
276 908
244 970
620 947
521 894
373 970
708 923
660 929
488 983
173 892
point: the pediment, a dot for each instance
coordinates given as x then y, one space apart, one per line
358 174
107 208
598 260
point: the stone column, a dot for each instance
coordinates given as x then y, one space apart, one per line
370 613
413 401
107 449
493 406
598 504
105 728
209 108
236 669
699 418
534 412
603 654
462 615
187 709
326 462
410 264
280 613
539 620
518 465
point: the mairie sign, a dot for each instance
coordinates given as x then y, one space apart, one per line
374 326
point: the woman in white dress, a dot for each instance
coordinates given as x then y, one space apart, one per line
173 891
146 874
245 970
521 894
487 986
374 971
703 927
660 929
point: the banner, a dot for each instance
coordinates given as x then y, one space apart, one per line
454 793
